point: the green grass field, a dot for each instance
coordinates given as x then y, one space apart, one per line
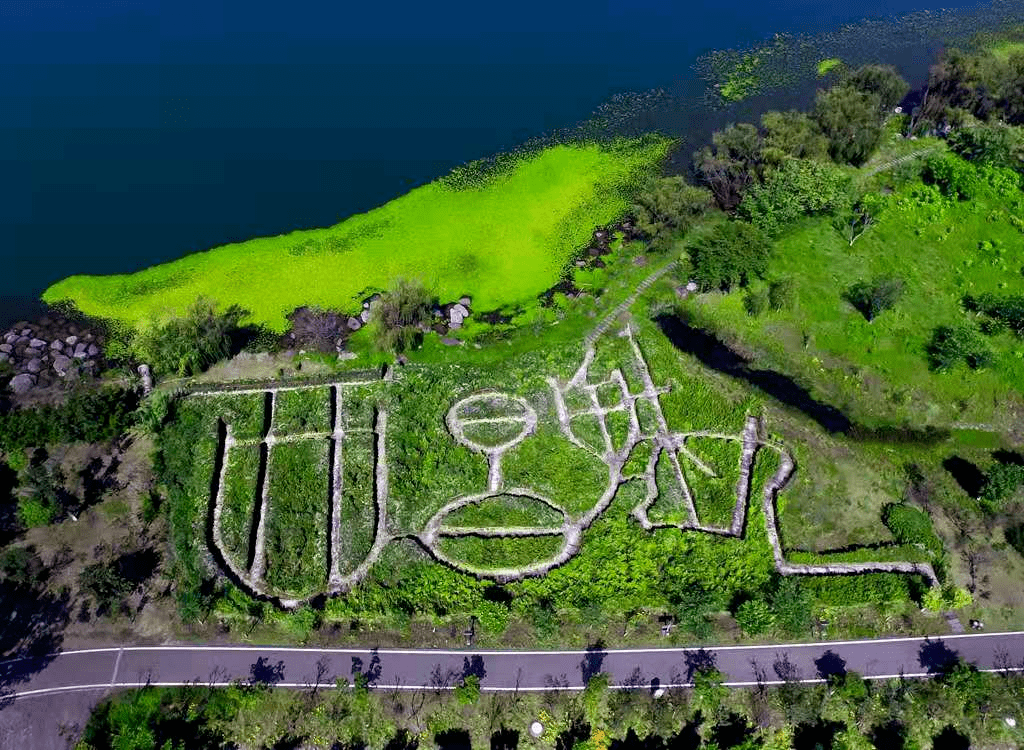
502 239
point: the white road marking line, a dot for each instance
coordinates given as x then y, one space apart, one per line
488 689
824 645
117 663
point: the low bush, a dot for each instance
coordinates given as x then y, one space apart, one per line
951 345
1001 482
1007 309
755 302
996 144
1015 538
956 177
400 315
871 298
191 343
911 526
782 295
732 254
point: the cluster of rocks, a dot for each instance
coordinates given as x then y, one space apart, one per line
46 351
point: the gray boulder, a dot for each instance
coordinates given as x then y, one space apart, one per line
456 315
56 344
26 331
71 340
38 344
354 324
93 350
10 338
34 365
61 364
465 301
147 378
23 383
6 348
364 316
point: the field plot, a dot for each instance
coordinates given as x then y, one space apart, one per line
302 411
501 553
296 524
504 511
356 511
241 499
715 494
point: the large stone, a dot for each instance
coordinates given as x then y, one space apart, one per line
93 350
23 383
6 348
365 315
38 344
465 301
34 365
61 364
10 338
56 344
448 341
71 340
147 378
456 315
354 324
26 331
80 349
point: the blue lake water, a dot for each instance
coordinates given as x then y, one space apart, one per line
136 132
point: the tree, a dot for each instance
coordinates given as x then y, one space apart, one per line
401 314
798 188
792 134
731 164
996 144
669 205
791 605
106 585
192 343
755 617
1001 482
861 215
872 298
881 80
951 345
467 693
732 254
850 120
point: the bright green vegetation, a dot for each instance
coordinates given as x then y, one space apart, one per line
717 494
241 488
296 526
1003 51
302 411
495 553
518 226
827 65
504 510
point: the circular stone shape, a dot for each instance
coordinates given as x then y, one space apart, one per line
536 729
491 410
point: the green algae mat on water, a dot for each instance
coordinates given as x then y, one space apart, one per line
501 234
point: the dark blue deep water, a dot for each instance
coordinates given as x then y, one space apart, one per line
134 132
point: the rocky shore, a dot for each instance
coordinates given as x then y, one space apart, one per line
49 352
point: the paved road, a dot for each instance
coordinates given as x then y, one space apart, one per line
106 668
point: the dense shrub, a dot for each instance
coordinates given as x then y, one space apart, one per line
731 164
669 205
996 144
911 526
755 617
1006 309
792 134
982 85
956 177
951 345
782 294
798 188
755 301
1001 482
191 343
850 120
732 254
871 298
882 81
89 417
400 315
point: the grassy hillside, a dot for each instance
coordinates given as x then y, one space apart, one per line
502 237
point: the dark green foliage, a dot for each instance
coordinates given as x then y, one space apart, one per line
872 298
755 301
1007 309
755 617
911 526
733 254
956 177
669 205
21 566
43 494
951 345
1001 482
850 120
782 294
89 417
791 604
400 314
798 188
1015 538
794 135
981 85
191 343
882 81
996 144
732 164
105 583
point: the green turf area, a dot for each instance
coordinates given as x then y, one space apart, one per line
240 498
298 412
516 230
504 511
497 553
714 497
296 525
357 497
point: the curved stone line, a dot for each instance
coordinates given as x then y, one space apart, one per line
499 531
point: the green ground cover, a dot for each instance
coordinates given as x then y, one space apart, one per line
357 499
297 525
495 553
504 510
297 412
518 227
241 494
714 497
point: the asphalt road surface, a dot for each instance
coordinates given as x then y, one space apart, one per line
71 674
